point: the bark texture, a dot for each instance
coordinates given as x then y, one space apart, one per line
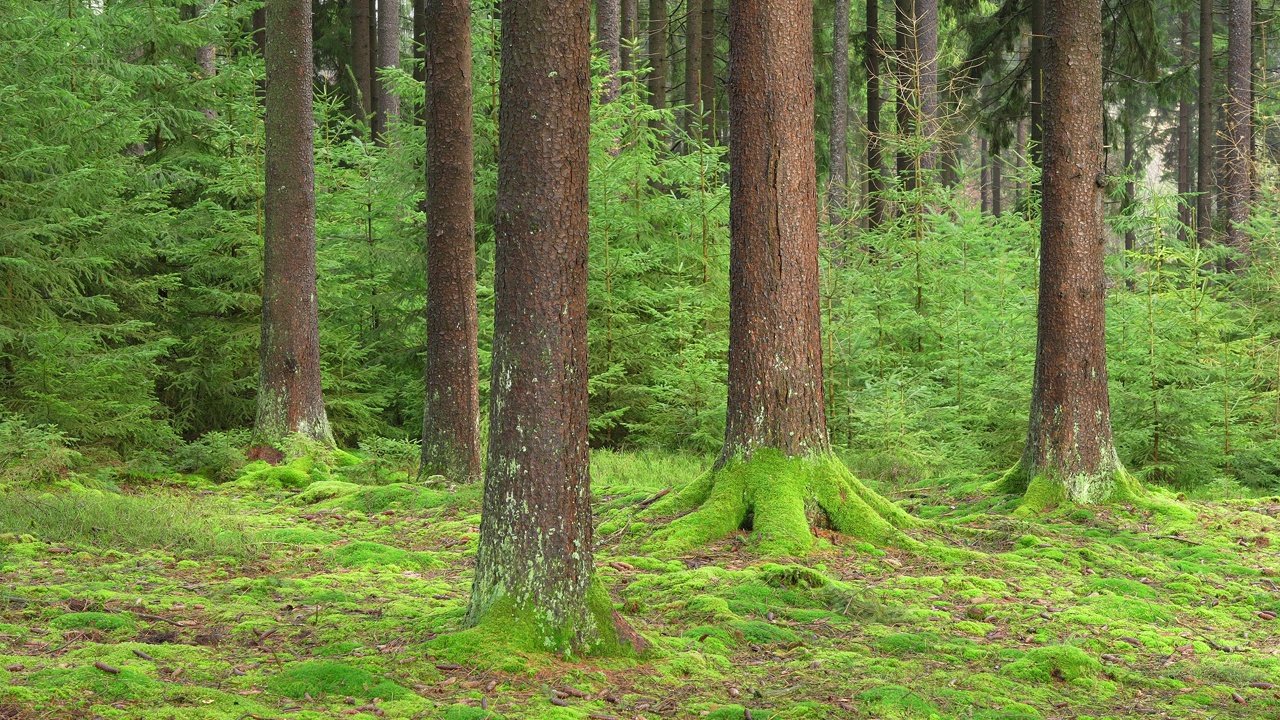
627 34
451 423
289 395
693 67
1184 139
1205 129
387 104
361 55
609 37
658 53
1239 135
775 352
874 63
535 535
838 177
1069 442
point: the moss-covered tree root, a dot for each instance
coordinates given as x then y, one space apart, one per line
1042 490
776 496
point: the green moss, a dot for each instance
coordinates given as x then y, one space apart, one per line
1053 662
297 536
1121 586
128 684
363 553
762 633
895 699
101 621
322 677
778 494
324 490
297 473
907 643
467 712
738 712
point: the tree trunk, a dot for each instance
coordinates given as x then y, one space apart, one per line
707 68
658 53
388 105
906 96
1037 84
997 182
627 35
420 31
1130 189
451 422
926 51
1239 123
984 175
775 470
1205 129
1020 188
1070 454
692 67
289 396
609 37
360 56
206 59
838 177
874 64
1184 139
534 559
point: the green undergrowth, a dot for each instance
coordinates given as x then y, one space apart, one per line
354 600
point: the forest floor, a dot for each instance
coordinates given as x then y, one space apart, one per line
179 598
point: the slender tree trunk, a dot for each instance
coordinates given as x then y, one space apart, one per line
1239 122
658 53
1130 189
420 30
627 35
206 58
984 174
692 67
707 68
1037 83
926 51
609 37
906 95
839 172
775 352
388 104
289 396
1020 188
534 558
1070 453
997 182
874 63
1205 128
451 421
361 55
1184 139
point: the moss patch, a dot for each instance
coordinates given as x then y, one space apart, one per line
323 677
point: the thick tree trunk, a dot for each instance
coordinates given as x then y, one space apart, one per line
874 63
1184 139
289 396
451 422
534 558
1205 129
775 471
707 69
1070 454
838 177
658 53
693 67
627 35
361 55
388 104
609 37
1239 111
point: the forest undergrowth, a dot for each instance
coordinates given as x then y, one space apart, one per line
337 592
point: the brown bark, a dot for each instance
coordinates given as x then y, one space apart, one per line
1205 129
693 68
1184 139
627 35
361 55
775 352
707 68
658 53
387 104
535 536
609 37
874 64
838 176
1069 441
289 395
420 31
1239 111
451 422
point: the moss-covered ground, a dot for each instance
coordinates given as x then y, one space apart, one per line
174 597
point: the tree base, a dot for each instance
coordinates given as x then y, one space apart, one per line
776 497
1042 491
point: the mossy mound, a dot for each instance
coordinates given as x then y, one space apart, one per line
1053 662
128 684
297 473
297 536
97 620
324 490
467 712
775 496
363 553
738 712
326 677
